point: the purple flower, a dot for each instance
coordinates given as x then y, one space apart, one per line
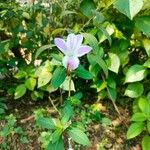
72 49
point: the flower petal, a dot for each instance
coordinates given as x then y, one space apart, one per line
61 44
83 50
70 63
79 39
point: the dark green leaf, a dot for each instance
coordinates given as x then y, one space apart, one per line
81 72
45 122
78 136
59 76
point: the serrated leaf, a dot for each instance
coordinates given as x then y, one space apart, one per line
30 83
139 117
83 73
78 136
59 76
114 62
45 122
135 129
20 91
134 90
146 143
143 24
129 7
59 145
135 73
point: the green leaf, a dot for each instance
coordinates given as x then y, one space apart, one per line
112 93
139 117
44 74
45 122
67 112
92 41
30 83
144 105
134 90
86 7
129 7
68 85
59 145
147 63
148 126
146 44
106 34
20 91
41 49
146 143
56 135
21 74
135 129
114 62
81 72
143 24
59 76
78 136
135 73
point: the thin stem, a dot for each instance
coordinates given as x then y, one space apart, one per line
115 106
69 92
54 105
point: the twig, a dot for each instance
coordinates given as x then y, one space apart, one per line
54 105
69 92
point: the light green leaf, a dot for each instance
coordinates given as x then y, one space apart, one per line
147 63
112 93
21 74
45 122
146 143
129 7
20 91
139 117
148 126
30 83
134 90
65 85
44 74
59 76
114 62
146 44
135 129
86 7
135 73
143 24
78 136
144 105
83 73
59 145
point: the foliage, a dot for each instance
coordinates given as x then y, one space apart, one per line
117 67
